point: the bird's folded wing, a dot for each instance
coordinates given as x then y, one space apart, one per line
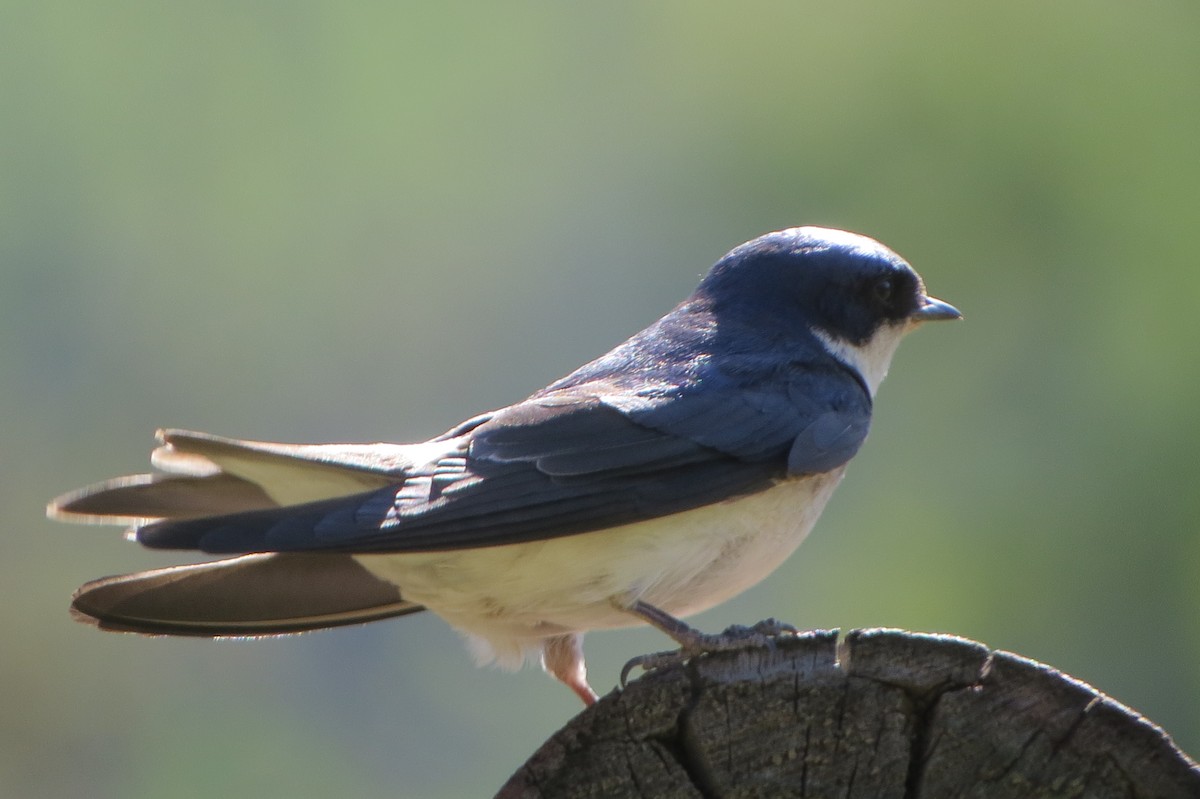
560 463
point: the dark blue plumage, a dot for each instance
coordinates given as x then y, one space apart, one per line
729 392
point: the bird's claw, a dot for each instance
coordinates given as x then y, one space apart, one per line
653 662
737 636
769 628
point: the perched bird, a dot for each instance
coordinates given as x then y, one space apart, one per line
655 482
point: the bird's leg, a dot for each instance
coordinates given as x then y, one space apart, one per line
692 642
691 639
562 658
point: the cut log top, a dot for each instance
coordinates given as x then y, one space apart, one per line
885 713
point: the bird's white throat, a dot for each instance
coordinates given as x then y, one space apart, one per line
872 359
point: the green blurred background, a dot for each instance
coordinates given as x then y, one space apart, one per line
301 221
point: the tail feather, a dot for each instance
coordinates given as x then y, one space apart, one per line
251 595
204 475
200 476
127 500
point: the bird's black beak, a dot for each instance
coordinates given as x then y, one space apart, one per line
934 310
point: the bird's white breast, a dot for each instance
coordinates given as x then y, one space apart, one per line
515 595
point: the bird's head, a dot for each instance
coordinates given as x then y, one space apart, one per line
855 295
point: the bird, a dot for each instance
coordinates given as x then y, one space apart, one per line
652 483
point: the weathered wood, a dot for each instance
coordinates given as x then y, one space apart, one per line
885 714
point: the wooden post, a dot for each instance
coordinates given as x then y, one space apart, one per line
885 713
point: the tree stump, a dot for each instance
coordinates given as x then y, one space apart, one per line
884 714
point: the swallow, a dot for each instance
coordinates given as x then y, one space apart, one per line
652 483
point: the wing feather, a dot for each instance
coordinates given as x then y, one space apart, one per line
573 460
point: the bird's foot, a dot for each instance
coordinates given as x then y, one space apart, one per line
693 643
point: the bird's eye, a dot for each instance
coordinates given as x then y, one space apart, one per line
883 290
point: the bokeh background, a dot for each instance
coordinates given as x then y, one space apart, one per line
320 222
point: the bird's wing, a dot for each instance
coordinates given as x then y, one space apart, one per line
819 417
567 461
